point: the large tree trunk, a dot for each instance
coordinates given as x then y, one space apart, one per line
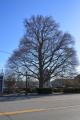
41 78
40 83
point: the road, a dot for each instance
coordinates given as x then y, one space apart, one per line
52 107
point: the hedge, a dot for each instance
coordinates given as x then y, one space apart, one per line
71 90
44 90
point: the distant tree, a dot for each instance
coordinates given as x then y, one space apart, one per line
77 81
10 83
77 77
43 47
68 83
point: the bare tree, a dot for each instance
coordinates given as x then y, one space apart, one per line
43 48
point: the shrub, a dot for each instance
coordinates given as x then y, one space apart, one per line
8 91
33 90
28 90
58 90
44 90
71 90
20 90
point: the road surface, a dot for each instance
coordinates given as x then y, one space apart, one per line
52 107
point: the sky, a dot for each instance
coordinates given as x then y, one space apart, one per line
13 13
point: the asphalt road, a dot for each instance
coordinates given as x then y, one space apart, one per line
53 107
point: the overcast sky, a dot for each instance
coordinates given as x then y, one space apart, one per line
13 13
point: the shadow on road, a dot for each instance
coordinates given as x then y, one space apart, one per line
7 98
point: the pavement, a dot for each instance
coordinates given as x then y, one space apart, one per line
36 107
